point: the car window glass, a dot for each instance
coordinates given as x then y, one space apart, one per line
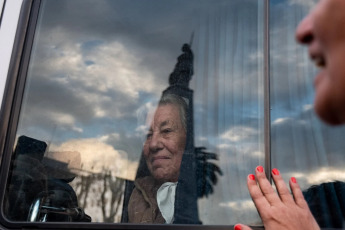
303 146
97 75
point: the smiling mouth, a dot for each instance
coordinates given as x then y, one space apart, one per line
159 158
319 61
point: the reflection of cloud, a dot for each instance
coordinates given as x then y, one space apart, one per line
64 120
239 205
238 133
113 67
281 120
324 174
244 150
97 156
303 3
108 137
144 117
308 107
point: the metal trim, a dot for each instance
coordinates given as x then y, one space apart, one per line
14 90
2 11
267 105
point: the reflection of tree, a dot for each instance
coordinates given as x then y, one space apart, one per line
114 185
100 193
206 171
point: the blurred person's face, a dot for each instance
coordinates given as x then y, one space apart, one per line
165 144
323 31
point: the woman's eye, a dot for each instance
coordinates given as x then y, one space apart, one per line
148 136
167 130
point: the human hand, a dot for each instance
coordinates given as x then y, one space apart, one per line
279 211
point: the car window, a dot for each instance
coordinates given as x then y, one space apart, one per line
83 149
302 146
155 112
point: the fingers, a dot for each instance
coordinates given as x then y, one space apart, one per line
283 191
266 187
241 227
297 193
265 192
264 195
255 192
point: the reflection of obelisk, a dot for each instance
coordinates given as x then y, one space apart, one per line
186 209
183 71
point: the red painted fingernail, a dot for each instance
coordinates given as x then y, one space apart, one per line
260 168
275 171
251 176
238 227
293 179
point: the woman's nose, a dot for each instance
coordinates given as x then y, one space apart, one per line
155 143
304 31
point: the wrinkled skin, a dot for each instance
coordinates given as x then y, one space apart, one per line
165 144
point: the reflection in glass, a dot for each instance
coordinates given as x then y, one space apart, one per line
96 69
153 198
303 146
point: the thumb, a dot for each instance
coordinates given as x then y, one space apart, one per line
241 227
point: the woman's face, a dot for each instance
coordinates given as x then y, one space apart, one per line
323 30
165 144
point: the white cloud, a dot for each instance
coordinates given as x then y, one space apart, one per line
304 3
116 68
308 107
324 174
109 136
96 74
256 56
239 205
280 120
97 156
66 121
144 116
238 133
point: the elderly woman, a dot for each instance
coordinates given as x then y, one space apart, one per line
152 200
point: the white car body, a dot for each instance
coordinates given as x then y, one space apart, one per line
8 27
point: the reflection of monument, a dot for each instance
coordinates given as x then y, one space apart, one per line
197 174
183 71
186 208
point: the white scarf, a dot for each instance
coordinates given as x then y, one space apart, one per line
166 200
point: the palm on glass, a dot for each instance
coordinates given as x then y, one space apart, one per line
279 210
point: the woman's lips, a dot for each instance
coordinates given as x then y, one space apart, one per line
158 159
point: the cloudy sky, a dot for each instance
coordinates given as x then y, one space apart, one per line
96 69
